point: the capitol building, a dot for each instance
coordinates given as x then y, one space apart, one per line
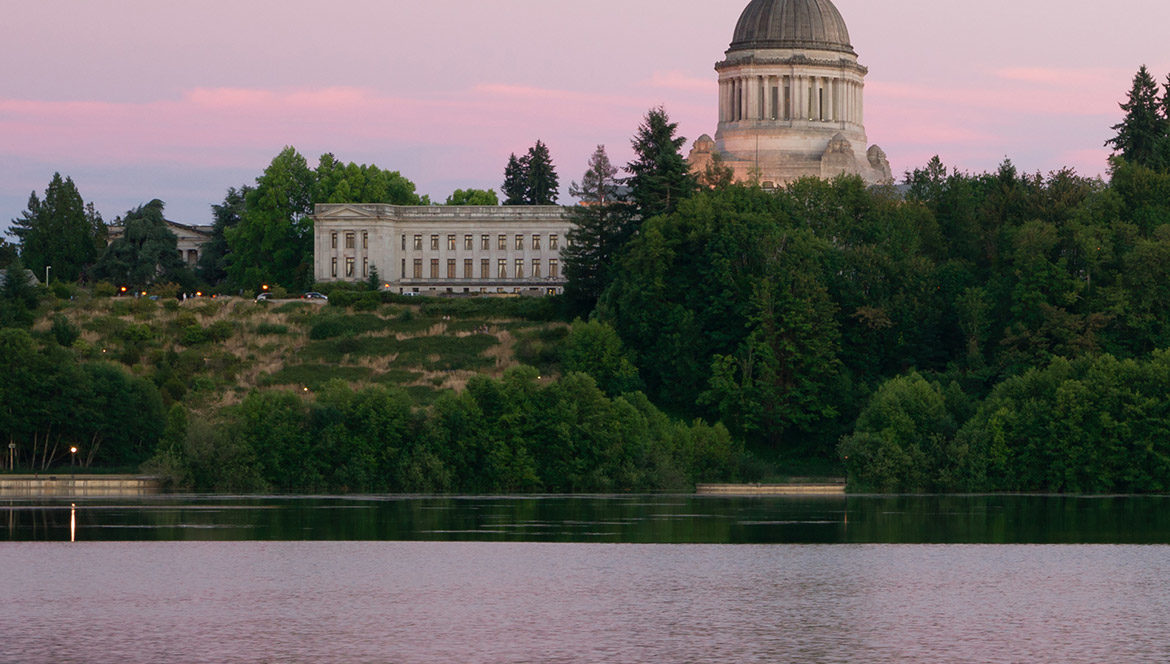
791 99
790 106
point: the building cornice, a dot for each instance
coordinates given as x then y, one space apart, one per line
748 59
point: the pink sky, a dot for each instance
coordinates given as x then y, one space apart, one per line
143 99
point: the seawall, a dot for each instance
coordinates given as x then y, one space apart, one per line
57 484
794 489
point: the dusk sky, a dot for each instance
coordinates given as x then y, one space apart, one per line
143 99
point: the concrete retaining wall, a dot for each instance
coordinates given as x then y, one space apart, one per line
77 485
770 489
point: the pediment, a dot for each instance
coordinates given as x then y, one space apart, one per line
347 212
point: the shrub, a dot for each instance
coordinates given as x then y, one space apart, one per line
221 330
194 335
104 289
63 331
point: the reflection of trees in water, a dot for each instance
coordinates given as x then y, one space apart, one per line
992 519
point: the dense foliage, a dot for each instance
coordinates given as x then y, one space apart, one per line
513 434
780 313
146 253
59 231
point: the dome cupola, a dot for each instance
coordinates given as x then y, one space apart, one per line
791 24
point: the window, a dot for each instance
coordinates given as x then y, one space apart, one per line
552 242
404 243
468 269
467 243
519 268
502 243
402 272
536 243
435 242
519 243
365 240
503 266
485 242
333 270
418 242
450 268
434 268
485 269
349 240
536 268
450 243
349 267
365 267
333 241
418 268
553 267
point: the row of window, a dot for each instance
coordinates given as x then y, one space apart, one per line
485 242
485 272
350 240
468 241
349 267
537 271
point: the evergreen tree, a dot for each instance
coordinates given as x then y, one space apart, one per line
212 266
59 232
541 176
515 181
1145 125
659 175
147 252
599 184
18 297
601 225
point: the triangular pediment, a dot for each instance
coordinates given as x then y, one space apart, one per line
347 212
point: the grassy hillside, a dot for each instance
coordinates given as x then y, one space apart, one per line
211 352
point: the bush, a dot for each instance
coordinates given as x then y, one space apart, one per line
63 331
194 335
221 330
104 289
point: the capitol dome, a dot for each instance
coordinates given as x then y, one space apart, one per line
791 100
796 24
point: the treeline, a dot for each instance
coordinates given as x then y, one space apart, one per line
515 434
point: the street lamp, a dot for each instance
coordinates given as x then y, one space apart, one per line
47 268
11 456
72 457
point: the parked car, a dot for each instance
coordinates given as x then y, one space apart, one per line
314 295
264 297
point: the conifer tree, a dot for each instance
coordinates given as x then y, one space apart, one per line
659 175
542 176
601 225
599 184
60 231
515 181
1145 125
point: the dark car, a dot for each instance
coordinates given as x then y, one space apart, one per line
314 295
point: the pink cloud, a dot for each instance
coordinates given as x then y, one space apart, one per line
1016 99
676 80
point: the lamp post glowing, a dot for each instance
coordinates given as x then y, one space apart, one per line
72 458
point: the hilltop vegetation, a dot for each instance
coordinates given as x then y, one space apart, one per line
357 395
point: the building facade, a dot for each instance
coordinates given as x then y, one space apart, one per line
189 240
791 99
433 250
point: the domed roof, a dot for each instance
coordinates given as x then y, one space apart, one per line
812 24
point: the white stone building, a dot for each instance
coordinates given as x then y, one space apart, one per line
791 100
189 239
435 250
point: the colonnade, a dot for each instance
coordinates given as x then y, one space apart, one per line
780 97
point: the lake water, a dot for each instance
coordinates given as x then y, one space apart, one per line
618 579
